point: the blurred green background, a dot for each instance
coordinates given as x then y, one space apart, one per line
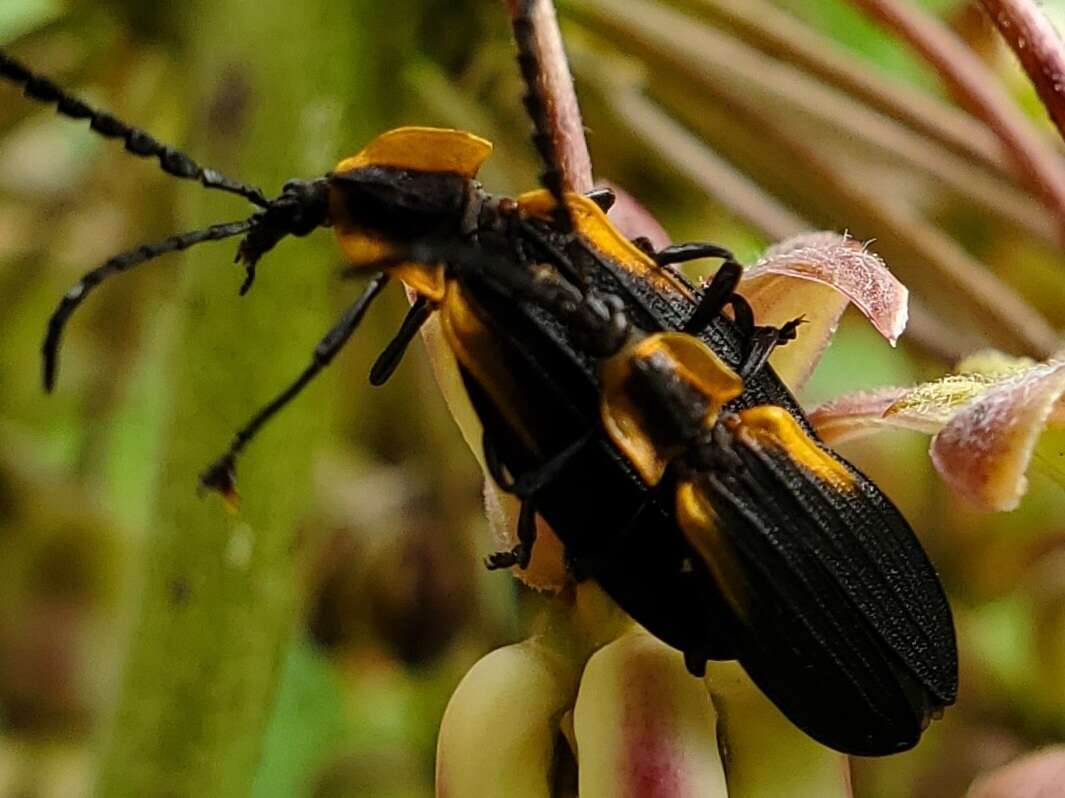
308 645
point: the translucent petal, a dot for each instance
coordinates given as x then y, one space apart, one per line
815 275
985 448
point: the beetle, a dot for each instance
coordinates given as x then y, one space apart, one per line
789 559
836 612
622 405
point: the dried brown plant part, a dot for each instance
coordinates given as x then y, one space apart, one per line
716 177
976 87
1039 48
563 112
697 84
780 34
664 35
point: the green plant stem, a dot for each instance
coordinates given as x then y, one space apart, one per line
218 599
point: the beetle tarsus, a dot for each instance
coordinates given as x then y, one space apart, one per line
249 278
763 342
221 477
519 555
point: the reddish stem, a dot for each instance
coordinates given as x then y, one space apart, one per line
973 84
1038 47
563 112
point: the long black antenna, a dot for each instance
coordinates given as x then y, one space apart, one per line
173 162
535 102
120 263
221 474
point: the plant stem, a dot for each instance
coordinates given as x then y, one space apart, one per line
218 599
975 87
720 100
780 34
563 111
1039 49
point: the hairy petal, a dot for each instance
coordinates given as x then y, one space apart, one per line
929 406
984 450
987 422
855 415
833 271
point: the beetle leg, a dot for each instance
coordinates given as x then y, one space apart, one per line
390 357
682 253
521 553
602 196
220 475
535 480
743 316
495 465
719 292
763 341
532 482
669 257
525 488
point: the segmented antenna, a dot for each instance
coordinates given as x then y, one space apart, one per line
221 474
552 178
173 162
120 263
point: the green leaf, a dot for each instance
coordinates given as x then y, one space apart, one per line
19 17
307 724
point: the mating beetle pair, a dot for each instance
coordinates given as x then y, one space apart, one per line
621 405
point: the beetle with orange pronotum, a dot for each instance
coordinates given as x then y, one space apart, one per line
620 404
